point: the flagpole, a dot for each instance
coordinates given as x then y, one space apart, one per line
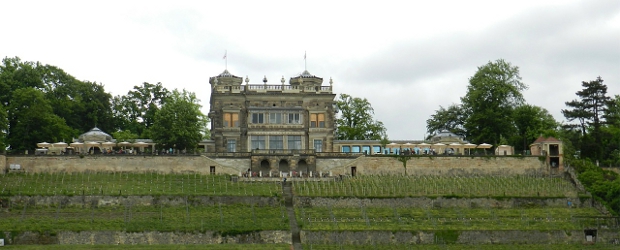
226 59
305 62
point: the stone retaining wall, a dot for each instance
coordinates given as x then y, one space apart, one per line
459 237
97 201
426 202
437 165
145 238
364 165
126 163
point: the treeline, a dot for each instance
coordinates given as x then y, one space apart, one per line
44 103
493 110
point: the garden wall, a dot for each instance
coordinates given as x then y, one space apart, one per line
438 165
125 163
459 237
365 165
426 202
97 201
144 238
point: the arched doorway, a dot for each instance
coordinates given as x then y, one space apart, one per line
283 166
264 166
302 166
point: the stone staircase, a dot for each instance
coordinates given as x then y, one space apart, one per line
288 202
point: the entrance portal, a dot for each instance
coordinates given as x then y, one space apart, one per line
264 166
283 166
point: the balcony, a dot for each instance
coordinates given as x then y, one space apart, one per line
271 88
283 152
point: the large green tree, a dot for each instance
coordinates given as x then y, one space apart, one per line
16 74
492 94
612 112
356 121
589 110
179 123
34 121
530 122
451 119
136 110
82 104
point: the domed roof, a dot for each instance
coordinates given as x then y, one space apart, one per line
447 136
95 134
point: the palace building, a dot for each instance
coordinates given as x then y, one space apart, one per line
282 125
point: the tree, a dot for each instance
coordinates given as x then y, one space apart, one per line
15 74
451 119
492 94
530 122
34 120
589 110
136 110
356 121
612 112
124 135
82 104
179 123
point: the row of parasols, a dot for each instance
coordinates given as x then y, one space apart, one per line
438 145
89 144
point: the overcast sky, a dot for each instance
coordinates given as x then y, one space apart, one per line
406 57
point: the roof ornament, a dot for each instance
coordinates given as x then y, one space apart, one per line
265 81
247 80
215 80
282 81
331 82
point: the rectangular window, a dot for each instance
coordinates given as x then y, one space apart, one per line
366 149
231 120
346 149
318 145
276 142
257 118
356 149
294 118
376 149
317 120
294 142
275 118
231 145
258 142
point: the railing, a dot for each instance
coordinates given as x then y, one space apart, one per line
284 151
227 154
338 155
271 87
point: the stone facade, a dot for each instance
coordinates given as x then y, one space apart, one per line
298 115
